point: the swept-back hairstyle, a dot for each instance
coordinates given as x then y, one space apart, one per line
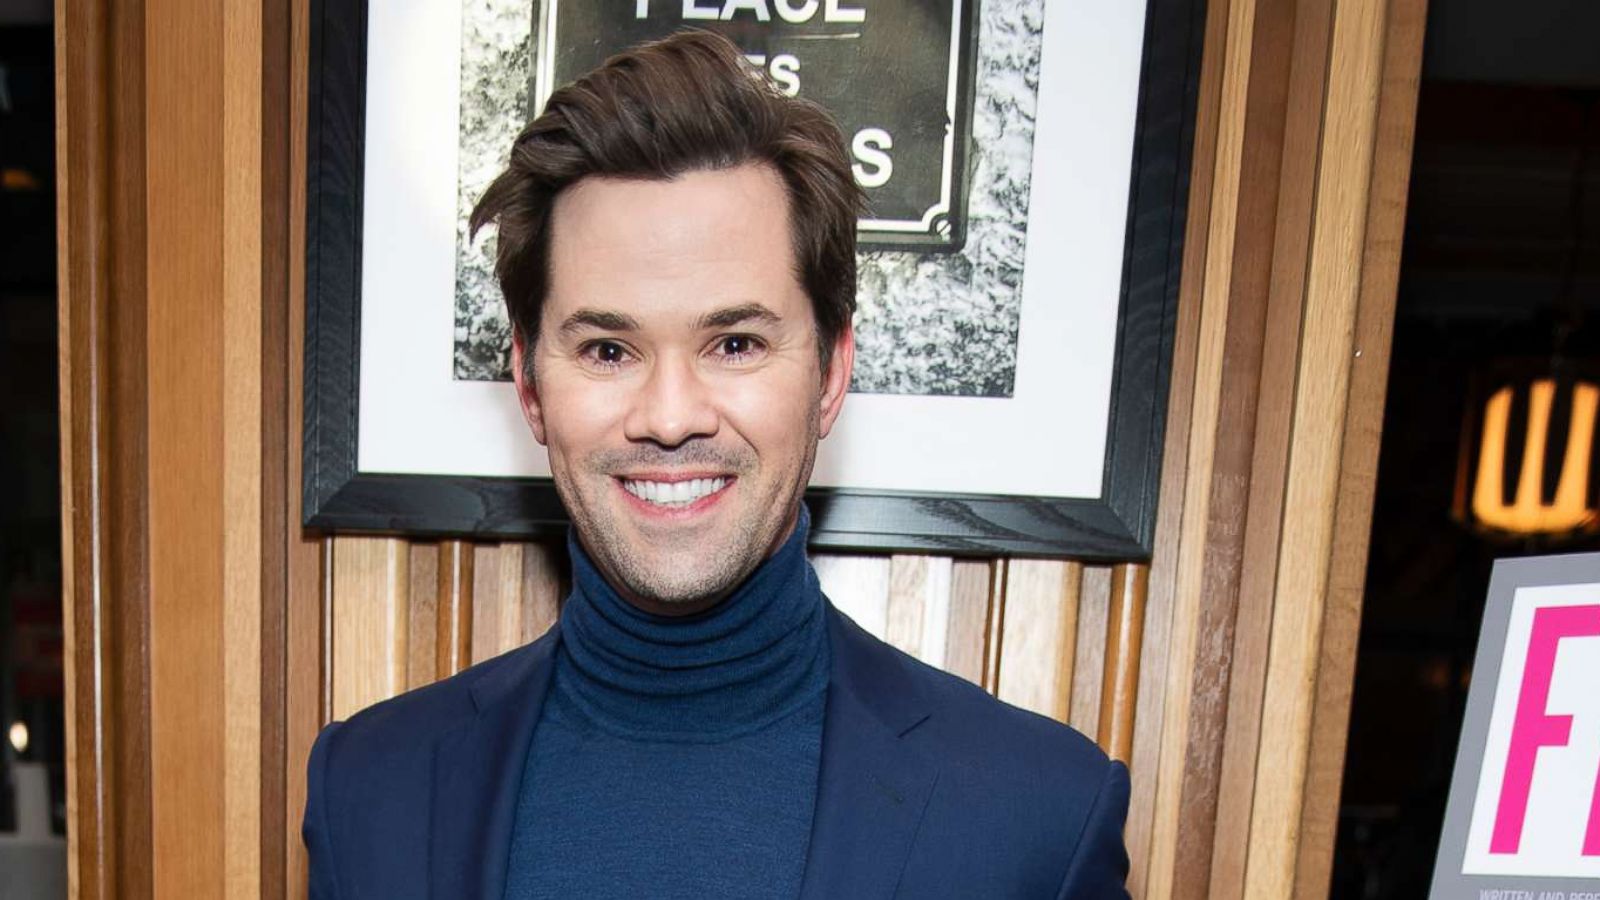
658 110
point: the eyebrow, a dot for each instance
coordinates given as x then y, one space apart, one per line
737 315
601 319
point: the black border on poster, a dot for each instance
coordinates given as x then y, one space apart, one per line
1117 526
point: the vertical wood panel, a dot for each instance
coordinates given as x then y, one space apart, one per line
1089 656
453 607
1123 648
1292 46
307 599
422 616
1395 129
859 586
1321 393
544 587
907 603
185 260
1215 274
100 145
497 610
966 637
241 424
371 579
1040 627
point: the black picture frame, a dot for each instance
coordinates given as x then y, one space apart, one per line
1119 525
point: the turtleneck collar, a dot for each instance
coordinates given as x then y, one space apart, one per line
747 662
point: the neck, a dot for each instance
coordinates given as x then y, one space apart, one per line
743 663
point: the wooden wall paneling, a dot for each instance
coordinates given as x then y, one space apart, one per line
1041 628
190 468
101 228
1321 394
1287 161
1089 657
1214 274
371 581
1380 273
967 629
307 602
1150 737
496 599
423 631
453 608
906 606
1122 650
545 582
244 373
282 550
858 585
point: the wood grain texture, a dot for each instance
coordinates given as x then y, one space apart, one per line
859 586
1391 172
546 579
242 378
1124 642
967 634
307 602
1321 392
1041 628
371 579
100 222
453 608
1204 412
1294 139
497 607
423 619
185 254
1089 654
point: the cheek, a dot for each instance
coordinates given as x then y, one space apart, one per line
579 414
778 417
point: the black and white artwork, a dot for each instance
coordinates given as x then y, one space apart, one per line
937 102
1026 169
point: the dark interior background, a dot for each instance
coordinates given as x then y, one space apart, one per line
1501 261
30 526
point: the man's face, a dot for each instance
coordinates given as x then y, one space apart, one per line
676 379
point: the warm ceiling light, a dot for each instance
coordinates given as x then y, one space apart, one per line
19 736
1571 508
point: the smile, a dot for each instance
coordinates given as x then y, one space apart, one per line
674 493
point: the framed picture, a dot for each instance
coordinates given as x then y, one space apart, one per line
1026 168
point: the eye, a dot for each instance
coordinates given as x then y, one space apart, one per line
739 347
603 354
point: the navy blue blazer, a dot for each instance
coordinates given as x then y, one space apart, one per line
928 788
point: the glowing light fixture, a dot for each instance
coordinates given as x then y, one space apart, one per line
1572 507
19 736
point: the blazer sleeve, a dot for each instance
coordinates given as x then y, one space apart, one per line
1099 867
314 829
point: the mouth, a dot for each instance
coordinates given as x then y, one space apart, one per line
675 493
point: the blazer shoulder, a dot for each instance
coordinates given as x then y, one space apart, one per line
970 725
416 717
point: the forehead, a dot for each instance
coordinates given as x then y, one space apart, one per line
701 240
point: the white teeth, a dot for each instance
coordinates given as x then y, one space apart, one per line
674 493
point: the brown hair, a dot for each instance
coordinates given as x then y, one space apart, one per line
685 103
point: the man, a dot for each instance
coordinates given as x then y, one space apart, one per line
676 245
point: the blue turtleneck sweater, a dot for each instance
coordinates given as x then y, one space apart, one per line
677 757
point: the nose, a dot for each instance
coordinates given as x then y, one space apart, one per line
673 404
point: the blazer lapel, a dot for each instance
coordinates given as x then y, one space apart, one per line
477 775
873 786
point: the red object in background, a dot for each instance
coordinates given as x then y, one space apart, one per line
37 640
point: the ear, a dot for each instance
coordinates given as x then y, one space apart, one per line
527 389
836 379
